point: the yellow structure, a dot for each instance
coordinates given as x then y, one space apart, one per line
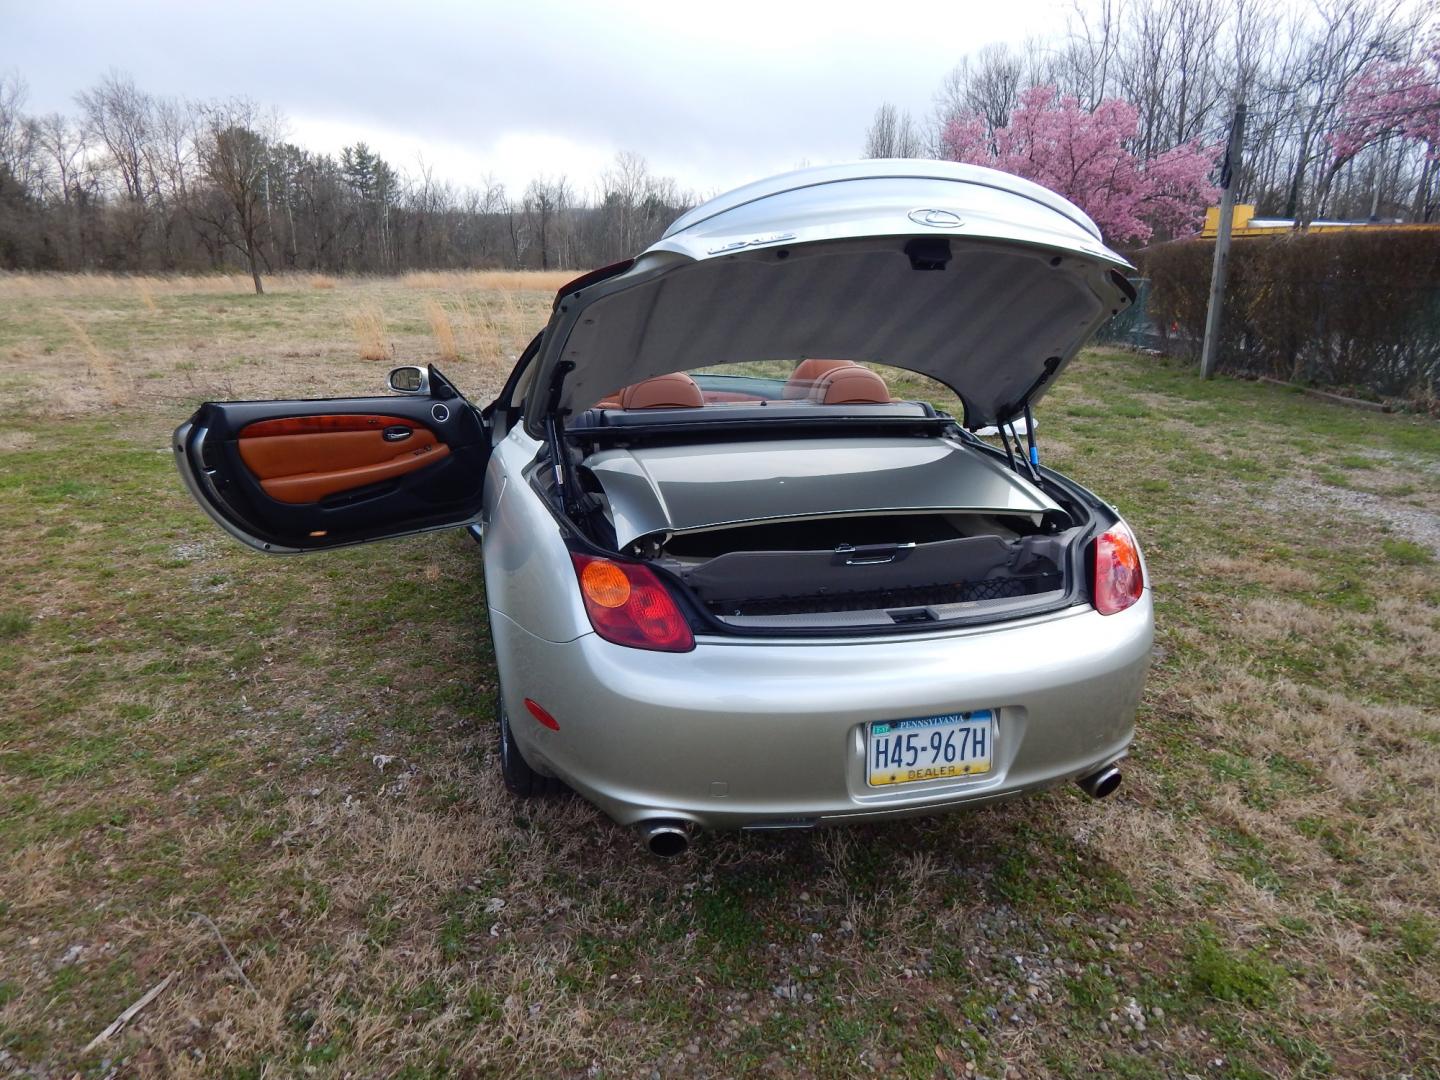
1245 223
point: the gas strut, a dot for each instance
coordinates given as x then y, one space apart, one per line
1034 458
1030 459
555 437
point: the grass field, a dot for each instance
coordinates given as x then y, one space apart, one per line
274 779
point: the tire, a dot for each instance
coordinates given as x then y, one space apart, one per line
520 779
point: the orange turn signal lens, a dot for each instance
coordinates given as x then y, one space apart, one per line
628 605
605 584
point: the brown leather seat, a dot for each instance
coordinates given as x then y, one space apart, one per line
807 375
853 385
674 391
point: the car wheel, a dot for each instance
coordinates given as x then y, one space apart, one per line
520 778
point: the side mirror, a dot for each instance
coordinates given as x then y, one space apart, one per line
410 380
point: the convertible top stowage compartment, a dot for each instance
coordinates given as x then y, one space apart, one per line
679 489
866 531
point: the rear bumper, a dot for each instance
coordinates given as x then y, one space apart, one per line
752 733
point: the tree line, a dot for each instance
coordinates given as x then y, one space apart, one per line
135 182
1343 101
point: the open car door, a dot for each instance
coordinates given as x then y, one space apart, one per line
290 476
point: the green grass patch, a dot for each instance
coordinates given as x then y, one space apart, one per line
1218 973
14 623
1406 552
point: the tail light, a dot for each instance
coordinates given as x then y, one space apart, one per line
1118 577
628 605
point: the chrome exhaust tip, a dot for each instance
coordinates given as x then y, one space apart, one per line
1100 784
665 839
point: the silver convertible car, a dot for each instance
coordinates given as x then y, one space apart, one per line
741 570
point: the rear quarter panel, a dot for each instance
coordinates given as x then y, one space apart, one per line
528 574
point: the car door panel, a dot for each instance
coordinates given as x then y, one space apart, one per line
311 464
288 476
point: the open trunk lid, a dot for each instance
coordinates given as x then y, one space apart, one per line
981 280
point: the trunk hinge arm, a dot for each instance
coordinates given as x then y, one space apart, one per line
1009 453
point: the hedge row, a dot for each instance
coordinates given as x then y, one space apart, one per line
1356 309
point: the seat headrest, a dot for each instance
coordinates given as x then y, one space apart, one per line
853 385
807 373
674 391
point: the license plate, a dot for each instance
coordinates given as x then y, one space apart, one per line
929 748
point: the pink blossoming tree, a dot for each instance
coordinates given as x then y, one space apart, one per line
1085 157
1392 99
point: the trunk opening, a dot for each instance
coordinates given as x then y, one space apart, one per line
872 570
794 536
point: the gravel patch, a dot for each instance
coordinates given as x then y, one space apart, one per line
1320 499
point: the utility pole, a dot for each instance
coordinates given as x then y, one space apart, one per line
1228 175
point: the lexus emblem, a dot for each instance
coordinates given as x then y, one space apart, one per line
936 219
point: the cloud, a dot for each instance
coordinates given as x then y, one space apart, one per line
711 94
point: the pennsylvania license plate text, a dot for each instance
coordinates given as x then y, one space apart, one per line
929 748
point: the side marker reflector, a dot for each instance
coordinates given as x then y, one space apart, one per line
541 715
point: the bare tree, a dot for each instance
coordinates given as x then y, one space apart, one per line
517 231
170 150
1353 33
19 135
893 134
117 115
143 182
632 209
986 85
1084 65
1167 66
623 188
64 144
545 204
233 148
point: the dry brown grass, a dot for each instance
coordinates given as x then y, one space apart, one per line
442 331
1268 572
187 726
369 326
483 328
110 285
218 340
434 281
101 367
546 281
147 294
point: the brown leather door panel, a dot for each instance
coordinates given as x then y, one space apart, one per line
311 487
305 458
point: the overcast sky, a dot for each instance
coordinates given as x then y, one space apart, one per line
712 94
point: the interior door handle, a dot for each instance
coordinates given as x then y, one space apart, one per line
397 433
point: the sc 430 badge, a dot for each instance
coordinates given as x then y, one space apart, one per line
735 245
